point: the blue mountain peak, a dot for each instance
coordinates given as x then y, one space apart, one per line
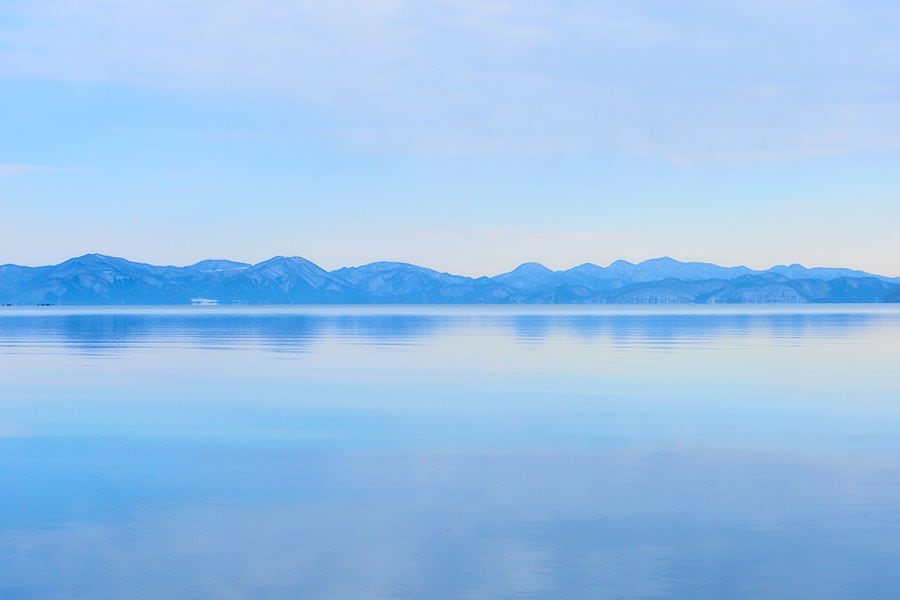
217 264
531 268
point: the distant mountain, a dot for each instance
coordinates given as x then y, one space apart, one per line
403 283
796 271
530 275
658 269
282 280
218 265
95 279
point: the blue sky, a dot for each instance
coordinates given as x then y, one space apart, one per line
465 135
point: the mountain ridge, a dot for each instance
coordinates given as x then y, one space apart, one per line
93 279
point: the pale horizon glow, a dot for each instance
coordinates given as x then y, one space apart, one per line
468 137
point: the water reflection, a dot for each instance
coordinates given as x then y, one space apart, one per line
622 524
285 328
449 453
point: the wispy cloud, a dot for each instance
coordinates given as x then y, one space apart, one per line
685 82
8 169
11 432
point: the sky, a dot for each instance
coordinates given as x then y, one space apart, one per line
466 135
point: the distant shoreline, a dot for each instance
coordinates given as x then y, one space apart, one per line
98 280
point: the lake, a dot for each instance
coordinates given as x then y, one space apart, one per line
450 452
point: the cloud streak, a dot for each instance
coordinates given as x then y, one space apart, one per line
688 83
11 169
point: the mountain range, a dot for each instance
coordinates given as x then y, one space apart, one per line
95 279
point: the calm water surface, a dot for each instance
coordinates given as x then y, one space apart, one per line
438 452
